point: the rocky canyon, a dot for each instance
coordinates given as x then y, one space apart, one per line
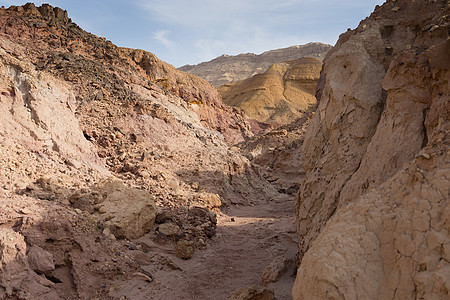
122 177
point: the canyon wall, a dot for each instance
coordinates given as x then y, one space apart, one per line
372 212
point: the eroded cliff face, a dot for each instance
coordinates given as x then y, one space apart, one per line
377 162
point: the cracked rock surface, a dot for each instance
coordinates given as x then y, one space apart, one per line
372 212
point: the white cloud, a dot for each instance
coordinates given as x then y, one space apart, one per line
162 36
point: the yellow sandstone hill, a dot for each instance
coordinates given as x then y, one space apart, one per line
280 95
231 68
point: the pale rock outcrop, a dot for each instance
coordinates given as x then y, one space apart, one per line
274 270
392 243
376 159
127 212
36 106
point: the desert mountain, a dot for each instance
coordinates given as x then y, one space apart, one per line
280 95
228 68
373 210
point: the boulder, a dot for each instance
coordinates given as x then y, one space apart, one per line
185 249
274 270
169 229
40 260
128 212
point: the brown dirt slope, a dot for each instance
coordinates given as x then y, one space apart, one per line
373 210
228 68
278 96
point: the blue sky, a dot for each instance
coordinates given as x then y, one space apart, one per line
191 31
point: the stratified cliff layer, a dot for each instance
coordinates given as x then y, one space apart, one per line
373 210
228 68
278 96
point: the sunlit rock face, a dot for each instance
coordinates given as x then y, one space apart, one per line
372 212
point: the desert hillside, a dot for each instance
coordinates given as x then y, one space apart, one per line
230 68
278 96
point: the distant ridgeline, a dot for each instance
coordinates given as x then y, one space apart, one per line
227 69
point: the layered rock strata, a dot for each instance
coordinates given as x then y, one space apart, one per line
285 92
228 68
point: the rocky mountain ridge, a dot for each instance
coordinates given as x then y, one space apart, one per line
228 68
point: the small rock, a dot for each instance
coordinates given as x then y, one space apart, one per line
145 272
208 200
198 212
185 249
83 204
106 232
102 210
163 216
195 185
40 260
169 229
143 276
395 9
132 246
173 183
273 271
171 264
434 28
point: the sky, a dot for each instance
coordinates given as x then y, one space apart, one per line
192 31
